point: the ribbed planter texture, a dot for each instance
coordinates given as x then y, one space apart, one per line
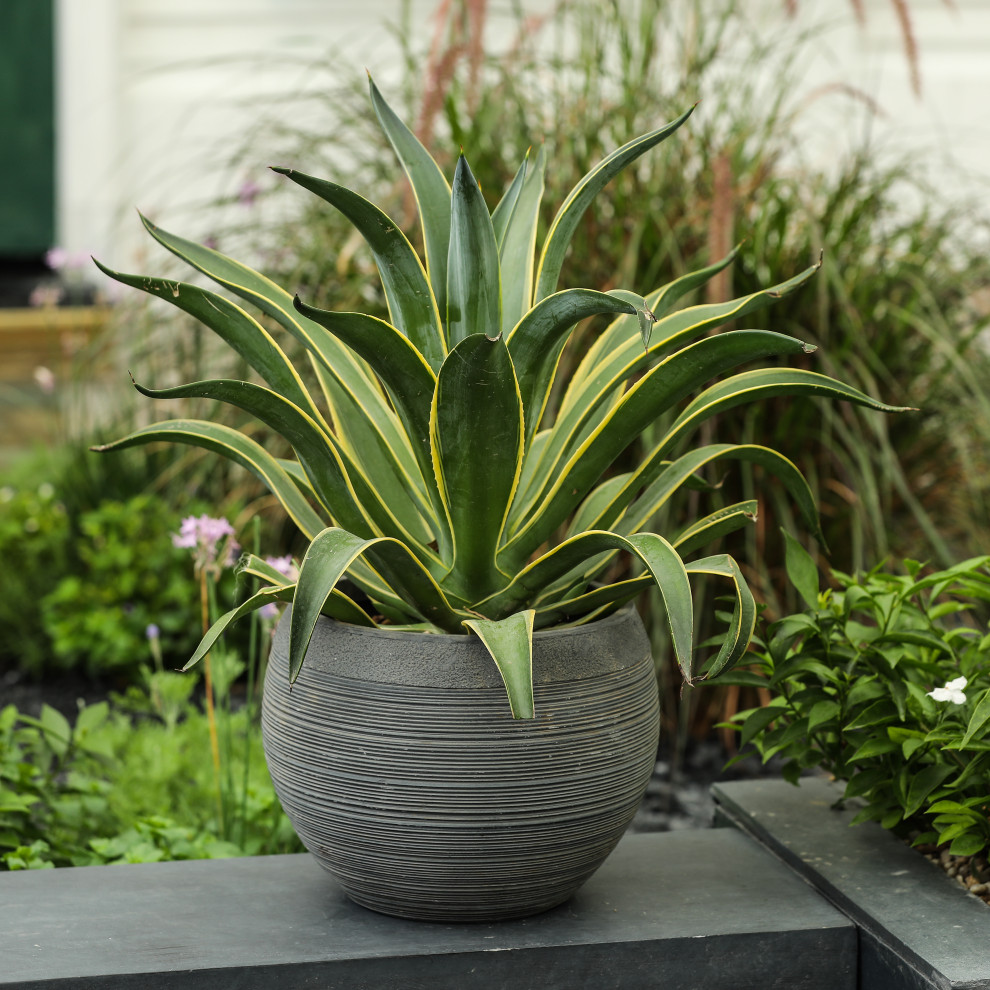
397 760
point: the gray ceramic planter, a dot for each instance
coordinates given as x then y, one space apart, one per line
396 758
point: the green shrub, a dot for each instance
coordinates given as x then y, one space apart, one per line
129 577
884 682
35 548
53 788
124 784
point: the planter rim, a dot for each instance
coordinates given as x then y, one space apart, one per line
453 661
418 635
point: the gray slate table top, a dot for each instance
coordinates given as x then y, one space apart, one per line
891 891
700 909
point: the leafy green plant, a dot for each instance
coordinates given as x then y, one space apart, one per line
51 790
124 783
884 682
36 544
431 476
897 305
129 576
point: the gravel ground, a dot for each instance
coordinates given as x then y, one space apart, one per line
679 798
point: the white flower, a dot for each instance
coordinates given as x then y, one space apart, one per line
953 691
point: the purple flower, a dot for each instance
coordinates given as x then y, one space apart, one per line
211 541
56 258
45 295
269 611
152 631
45 378
248 191
284 566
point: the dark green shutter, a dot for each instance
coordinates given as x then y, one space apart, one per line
27 128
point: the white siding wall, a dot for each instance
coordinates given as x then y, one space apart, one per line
153 91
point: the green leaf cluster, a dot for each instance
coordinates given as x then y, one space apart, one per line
850 683
35 544
427 469
127 575
90 791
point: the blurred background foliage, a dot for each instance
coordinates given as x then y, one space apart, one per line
900 308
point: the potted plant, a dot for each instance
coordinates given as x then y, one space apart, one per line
486 770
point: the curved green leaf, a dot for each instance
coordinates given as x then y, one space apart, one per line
251 563
236 447
979 718
666 384
646 317
667 297
477 436
328 557
570 213
345 368
430 189
597 602
750 386
743 620
510 643
616 358
674 474
229 322
407 288
317 451
339 606
407 377
660 558
535 343
507 204
616 355
266 596
714 526
597 505
393 471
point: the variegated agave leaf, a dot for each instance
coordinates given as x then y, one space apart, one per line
431 471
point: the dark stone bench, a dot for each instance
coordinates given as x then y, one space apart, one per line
918 929
681 911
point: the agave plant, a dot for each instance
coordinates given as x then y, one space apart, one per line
430 472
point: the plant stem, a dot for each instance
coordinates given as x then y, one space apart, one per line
211 718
